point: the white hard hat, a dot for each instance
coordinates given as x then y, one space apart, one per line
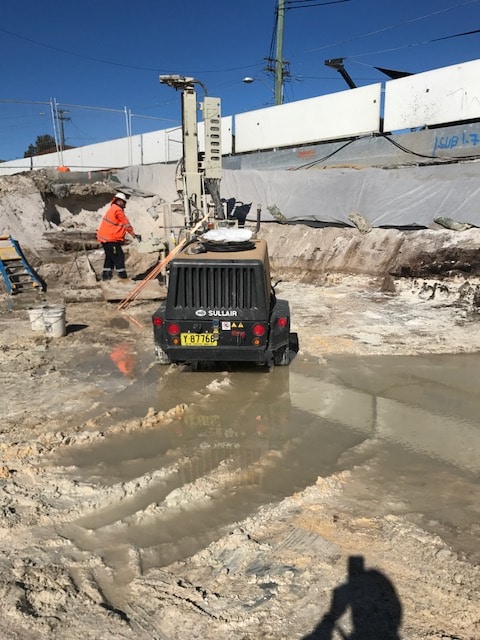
120 196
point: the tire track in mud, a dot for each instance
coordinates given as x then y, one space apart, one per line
178 515
209 464
191 513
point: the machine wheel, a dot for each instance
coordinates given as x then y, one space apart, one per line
281 357
161 356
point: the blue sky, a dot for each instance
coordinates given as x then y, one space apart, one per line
108 55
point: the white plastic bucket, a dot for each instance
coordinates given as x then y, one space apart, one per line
54 319
37 321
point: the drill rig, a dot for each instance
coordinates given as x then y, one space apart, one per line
220 304
199 174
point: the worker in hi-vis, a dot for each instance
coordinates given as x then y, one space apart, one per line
111 233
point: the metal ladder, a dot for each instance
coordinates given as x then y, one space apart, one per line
17 273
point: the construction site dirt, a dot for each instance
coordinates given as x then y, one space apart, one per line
333 498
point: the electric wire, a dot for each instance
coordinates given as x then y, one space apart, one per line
306 2
119 64
387 28
457 35
248 66
310 3
441 159
79 55
422 155
415 44
307 165
288 4
293 4
271 53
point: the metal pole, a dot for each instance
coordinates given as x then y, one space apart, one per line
55 120
52 110
62 128
128 124
125 111
279 53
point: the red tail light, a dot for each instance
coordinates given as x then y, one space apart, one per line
173 329
258 330
282 322
157 321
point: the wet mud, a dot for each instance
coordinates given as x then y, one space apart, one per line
149 501
405 421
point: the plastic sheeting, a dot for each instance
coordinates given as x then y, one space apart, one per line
402 197
149 180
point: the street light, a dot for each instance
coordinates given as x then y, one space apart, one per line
249 80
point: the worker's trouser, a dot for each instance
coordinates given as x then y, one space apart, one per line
114 259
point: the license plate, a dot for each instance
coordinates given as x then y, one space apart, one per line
201 421
198 339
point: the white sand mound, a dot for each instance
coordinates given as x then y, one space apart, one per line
30 208
22 212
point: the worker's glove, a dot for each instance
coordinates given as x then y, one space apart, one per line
138 237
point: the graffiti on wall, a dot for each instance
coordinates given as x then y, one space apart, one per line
465 139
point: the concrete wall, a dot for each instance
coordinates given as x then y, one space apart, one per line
450 94
401 149
338 115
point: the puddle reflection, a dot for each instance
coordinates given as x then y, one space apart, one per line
249 438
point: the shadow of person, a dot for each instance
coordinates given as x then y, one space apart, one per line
376 611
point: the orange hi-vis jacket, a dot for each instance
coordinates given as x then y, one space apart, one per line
114 225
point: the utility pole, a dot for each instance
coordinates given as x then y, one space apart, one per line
279 70
62 119
277 65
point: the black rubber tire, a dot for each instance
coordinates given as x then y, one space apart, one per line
281 357
160 356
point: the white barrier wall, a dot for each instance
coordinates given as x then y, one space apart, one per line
103 155
338 115
162 146
166 145
148 148
15 166
450 94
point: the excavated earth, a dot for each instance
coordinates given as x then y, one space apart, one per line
107 534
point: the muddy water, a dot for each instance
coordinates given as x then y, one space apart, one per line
409 427
422 454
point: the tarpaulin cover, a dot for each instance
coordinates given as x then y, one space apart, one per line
401 197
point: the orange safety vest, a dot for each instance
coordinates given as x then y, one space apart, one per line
114 225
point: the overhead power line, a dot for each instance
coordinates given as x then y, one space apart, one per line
387 28
457 35
305 4
77 55
118 64
415 44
